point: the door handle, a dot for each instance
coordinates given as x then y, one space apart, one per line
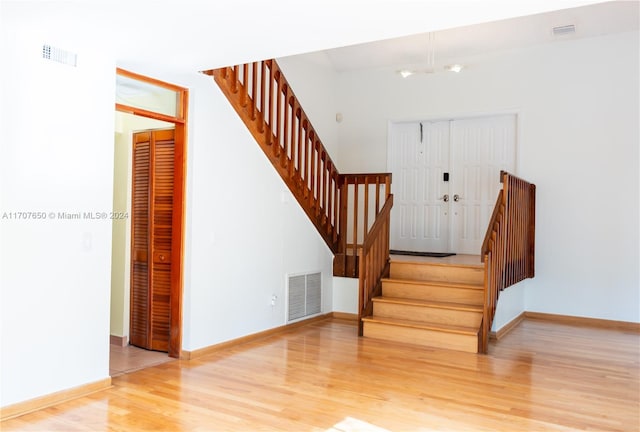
445 197
457 197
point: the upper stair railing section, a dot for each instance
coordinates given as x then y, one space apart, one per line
341 206
508 251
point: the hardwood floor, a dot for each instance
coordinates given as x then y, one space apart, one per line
322 377
130 358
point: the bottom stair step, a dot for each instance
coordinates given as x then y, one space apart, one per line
421 333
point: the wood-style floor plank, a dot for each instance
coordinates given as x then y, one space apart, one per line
322 377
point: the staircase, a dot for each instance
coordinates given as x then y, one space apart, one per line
430 304
341 206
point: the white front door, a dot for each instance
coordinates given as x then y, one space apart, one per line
446 180
418 159
481 147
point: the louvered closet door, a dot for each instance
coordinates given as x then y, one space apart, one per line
153 162
139 322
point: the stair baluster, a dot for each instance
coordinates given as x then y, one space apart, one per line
508 251
279 124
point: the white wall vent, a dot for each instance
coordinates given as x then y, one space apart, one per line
564 30
59 55
304 294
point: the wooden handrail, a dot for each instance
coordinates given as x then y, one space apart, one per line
263 98
362 195
341 206
508 250
374 261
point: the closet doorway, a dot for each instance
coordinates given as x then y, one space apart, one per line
153 262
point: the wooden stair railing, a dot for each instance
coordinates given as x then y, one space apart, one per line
508 250
341 206
362 196
374 262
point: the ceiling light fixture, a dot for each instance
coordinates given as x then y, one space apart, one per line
454 68
431 59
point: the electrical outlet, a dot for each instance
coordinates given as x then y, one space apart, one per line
273 300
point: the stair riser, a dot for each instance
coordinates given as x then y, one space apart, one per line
427 314
435 293
437 273
422 337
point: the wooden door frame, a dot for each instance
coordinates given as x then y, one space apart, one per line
178 217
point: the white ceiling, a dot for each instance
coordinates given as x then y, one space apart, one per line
457 44
189 35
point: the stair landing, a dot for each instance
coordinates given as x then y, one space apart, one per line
471 260
432 302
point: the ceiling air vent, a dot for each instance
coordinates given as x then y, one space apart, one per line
59 55
564 30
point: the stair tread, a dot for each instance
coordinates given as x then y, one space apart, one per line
436 283
435 264
422 325
430 303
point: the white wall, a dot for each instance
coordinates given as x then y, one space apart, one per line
245 230
577 103
57 156
345 295
314 83
511 304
